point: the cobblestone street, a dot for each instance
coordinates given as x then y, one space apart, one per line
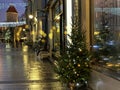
21 69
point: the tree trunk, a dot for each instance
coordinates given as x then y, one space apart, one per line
71 86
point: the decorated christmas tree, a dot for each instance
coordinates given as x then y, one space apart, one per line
73 63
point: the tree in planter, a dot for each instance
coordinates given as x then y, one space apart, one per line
73 64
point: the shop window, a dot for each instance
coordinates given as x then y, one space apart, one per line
57 11
107 33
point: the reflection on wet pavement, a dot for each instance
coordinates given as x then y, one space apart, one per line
22 70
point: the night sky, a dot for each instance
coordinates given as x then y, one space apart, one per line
19 5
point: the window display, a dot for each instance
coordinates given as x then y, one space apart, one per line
107 33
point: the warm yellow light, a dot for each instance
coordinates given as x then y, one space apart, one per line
35 86
57 17
33 32
43 40
30 16
18 34
41 32
110 64
26 26
50 35
23 29
96 33
25 48
35 19
58 30
44 35
65 32
34 74
53 28
78 65
117 65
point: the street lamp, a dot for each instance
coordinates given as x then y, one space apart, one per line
31 18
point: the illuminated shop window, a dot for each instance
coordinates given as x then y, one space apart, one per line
107 33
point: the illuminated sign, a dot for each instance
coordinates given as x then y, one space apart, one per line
12 24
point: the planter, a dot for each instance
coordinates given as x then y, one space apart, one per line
71 86
78 86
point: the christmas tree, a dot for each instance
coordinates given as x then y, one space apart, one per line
73 63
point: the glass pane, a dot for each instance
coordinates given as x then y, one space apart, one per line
107 33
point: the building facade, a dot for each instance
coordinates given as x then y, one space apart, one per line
100 18
20 7
60 14
12 14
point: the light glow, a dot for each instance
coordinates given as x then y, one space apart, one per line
31 16
57 17
69 18
51 34
12 24
96 33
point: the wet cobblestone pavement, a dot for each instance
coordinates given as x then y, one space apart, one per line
23 70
